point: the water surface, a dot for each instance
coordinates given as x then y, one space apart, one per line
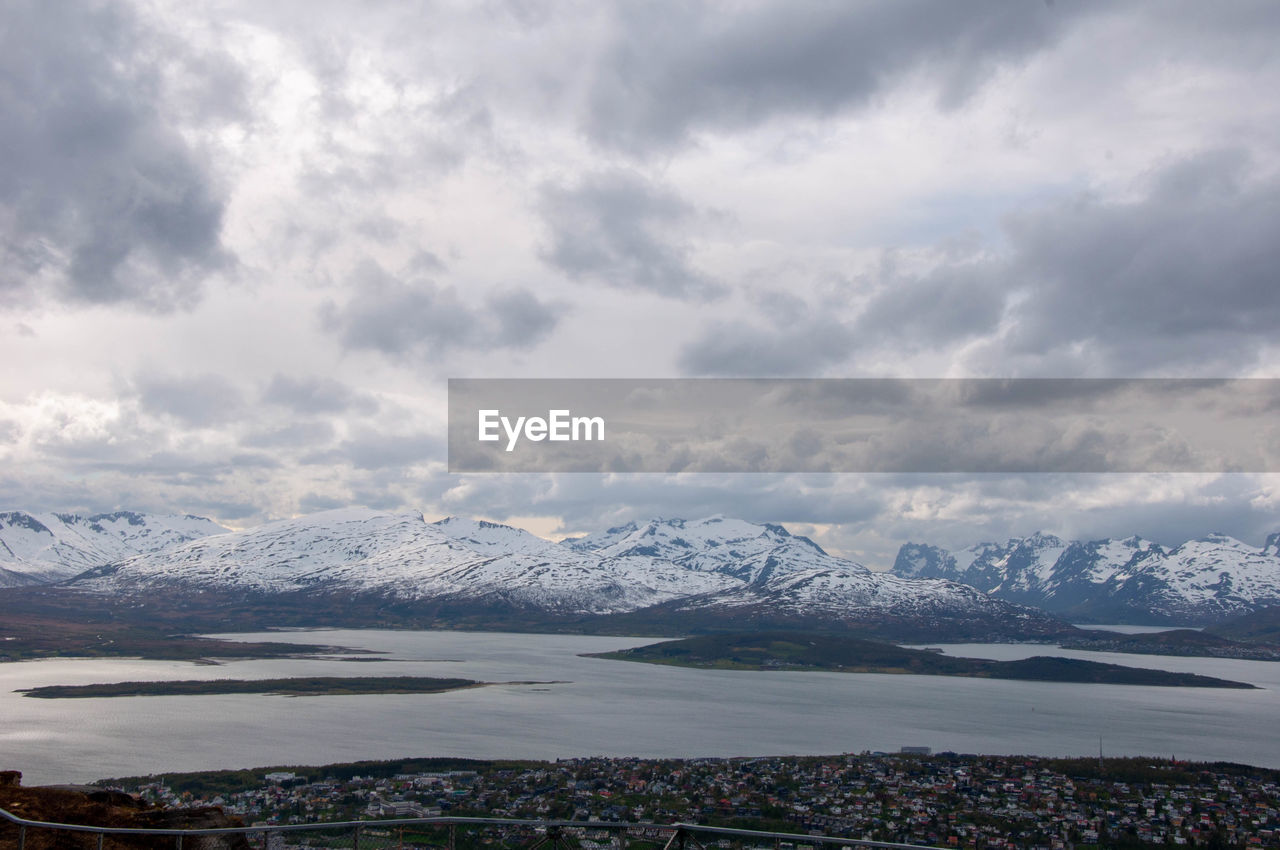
609 708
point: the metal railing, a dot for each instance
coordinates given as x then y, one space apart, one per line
436 833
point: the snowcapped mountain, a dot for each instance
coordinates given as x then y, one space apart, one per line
777 573
47 547
735 548
1203 580
401 556
676 566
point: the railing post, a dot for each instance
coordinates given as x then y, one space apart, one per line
355 837
179 843
453 836
22 837
99 841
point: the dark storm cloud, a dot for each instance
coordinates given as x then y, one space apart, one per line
317 395
951 304
100 195
618 229
1180 278
195 400
416 318
1185 275
675 68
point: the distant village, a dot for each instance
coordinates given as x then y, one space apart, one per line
912 797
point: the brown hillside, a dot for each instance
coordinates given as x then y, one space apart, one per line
99 807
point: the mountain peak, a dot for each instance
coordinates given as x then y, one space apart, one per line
1130 579
1042 539
44 548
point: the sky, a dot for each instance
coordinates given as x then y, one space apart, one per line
243 246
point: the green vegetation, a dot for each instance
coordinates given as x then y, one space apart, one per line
117 641
310 686
39 623
1261 626
1185 642
211 783
811 651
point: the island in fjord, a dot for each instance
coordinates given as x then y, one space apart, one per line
826 652
298 686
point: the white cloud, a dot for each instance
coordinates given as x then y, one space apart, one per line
866 188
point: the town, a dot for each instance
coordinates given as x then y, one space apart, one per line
944 799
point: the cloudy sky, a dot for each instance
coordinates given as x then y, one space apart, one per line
244 245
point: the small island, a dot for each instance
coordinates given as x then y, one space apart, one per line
835 653
296 687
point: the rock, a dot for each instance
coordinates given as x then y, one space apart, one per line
92 806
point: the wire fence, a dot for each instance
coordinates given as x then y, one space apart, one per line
440 833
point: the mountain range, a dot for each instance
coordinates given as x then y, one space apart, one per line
1130 580
364 567
376 567
40 548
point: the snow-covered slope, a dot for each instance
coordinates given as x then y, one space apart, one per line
47 547
1200 581
401 556
745 551
714 563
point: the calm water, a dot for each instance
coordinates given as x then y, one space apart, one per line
1135 630
609 708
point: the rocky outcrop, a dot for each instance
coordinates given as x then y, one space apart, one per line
93 806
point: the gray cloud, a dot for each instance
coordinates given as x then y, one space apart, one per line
299 435
940 425
317 395
795 348
194 400
953 303
317 502
102 200
1185 275
254 460
963 510
588 502
523 320
418 318
373 450
128 130
1180 278
676 68
870 516
620 230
